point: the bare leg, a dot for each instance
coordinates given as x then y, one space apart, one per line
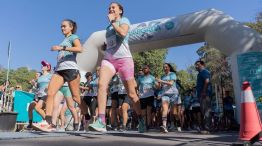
164 112
114 113
62 115
70 105
30 110
57 102
131 92
54 85
39 109
105 76
74 88
124 109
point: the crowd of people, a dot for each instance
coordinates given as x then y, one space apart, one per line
112 98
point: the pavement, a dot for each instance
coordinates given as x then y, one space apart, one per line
112 138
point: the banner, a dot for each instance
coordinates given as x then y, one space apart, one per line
22 101
250 69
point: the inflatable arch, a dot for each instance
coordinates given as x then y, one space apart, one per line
212 26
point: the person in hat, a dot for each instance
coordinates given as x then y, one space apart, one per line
41 93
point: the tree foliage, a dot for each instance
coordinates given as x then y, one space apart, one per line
154 58
217 64
187 78
21 76
256 26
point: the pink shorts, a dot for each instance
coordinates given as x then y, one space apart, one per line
124 66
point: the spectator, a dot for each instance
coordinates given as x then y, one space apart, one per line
204 92
228 109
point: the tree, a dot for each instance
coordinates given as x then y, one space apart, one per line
20 76
256 26
217 64
188 79
154 58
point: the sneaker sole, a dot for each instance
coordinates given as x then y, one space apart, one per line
42 129
97 129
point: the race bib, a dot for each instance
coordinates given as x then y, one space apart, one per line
111 41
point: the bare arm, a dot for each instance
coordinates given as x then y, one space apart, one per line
122 30
169 83
205 87
77 47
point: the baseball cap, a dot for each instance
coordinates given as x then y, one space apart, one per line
44 63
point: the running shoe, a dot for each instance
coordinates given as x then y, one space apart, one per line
141 126
76 126
45 128
98 126
122 128
179 129
163 129
30 126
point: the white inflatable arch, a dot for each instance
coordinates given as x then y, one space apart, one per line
212 26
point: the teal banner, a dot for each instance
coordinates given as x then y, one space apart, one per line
22 101
250 69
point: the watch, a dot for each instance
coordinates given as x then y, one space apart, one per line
64 48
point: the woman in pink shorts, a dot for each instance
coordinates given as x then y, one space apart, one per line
117 58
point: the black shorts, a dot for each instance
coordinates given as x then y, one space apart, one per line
148 101
114 96
120 99
196 109
68 74
123 98
88 100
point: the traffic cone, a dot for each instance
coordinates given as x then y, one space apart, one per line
250 124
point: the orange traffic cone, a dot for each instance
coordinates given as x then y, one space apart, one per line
250 124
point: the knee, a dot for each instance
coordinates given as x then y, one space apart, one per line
132 95
32 106
102 86
37 108
51 93
71 108
76 98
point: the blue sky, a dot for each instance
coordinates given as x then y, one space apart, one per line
33 26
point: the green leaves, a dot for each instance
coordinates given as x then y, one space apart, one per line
155 59
21 76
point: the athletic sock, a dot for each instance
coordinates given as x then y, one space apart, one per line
102 117
30 122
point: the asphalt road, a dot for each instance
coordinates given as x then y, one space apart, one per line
130 138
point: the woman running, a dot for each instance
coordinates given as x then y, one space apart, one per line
117 58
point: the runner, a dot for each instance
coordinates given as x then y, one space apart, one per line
146 86
66 69
40 94
117 58
169 96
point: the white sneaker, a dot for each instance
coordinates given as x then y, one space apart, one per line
163 129
43 122
40 125
60 129
179 129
